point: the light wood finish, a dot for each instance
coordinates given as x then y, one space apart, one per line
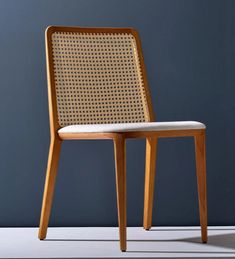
134 134
52 165
77 136
200 152
150 170
164 134
120 164
64 104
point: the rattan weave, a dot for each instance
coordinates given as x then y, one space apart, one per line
98 78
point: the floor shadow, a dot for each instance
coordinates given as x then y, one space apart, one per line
181 252
112 240
220 240
80 240
189 229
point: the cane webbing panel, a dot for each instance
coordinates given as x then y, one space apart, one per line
98 78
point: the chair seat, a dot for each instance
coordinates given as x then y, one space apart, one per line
127 127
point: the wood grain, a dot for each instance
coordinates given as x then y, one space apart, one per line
150 171
200 152
120 163
51 173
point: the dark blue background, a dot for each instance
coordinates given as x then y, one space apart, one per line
189 53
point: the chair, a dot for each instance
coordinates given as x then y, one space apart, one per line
97 89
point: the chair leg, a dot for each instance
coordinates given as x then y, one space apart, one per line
150 166
120 164
200 152
53 159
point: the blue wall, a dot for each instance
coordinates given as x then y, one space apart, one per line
189 54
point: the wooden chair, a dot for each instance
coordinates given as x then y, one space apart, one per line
97 89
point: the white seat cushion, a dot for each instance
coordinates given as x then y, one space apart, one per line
124 127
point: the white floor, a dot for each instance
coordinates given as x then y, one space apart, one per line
159 242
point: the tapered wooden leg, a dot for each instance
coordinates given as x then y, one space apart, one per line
52 166
120 164
200 151
150 167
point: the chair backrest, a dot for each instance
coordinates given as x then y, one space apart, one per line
96 75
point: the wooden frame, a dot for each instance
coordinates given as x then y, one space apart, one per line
119 147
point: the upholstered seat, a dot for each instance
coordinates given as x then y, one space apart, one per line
127 127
